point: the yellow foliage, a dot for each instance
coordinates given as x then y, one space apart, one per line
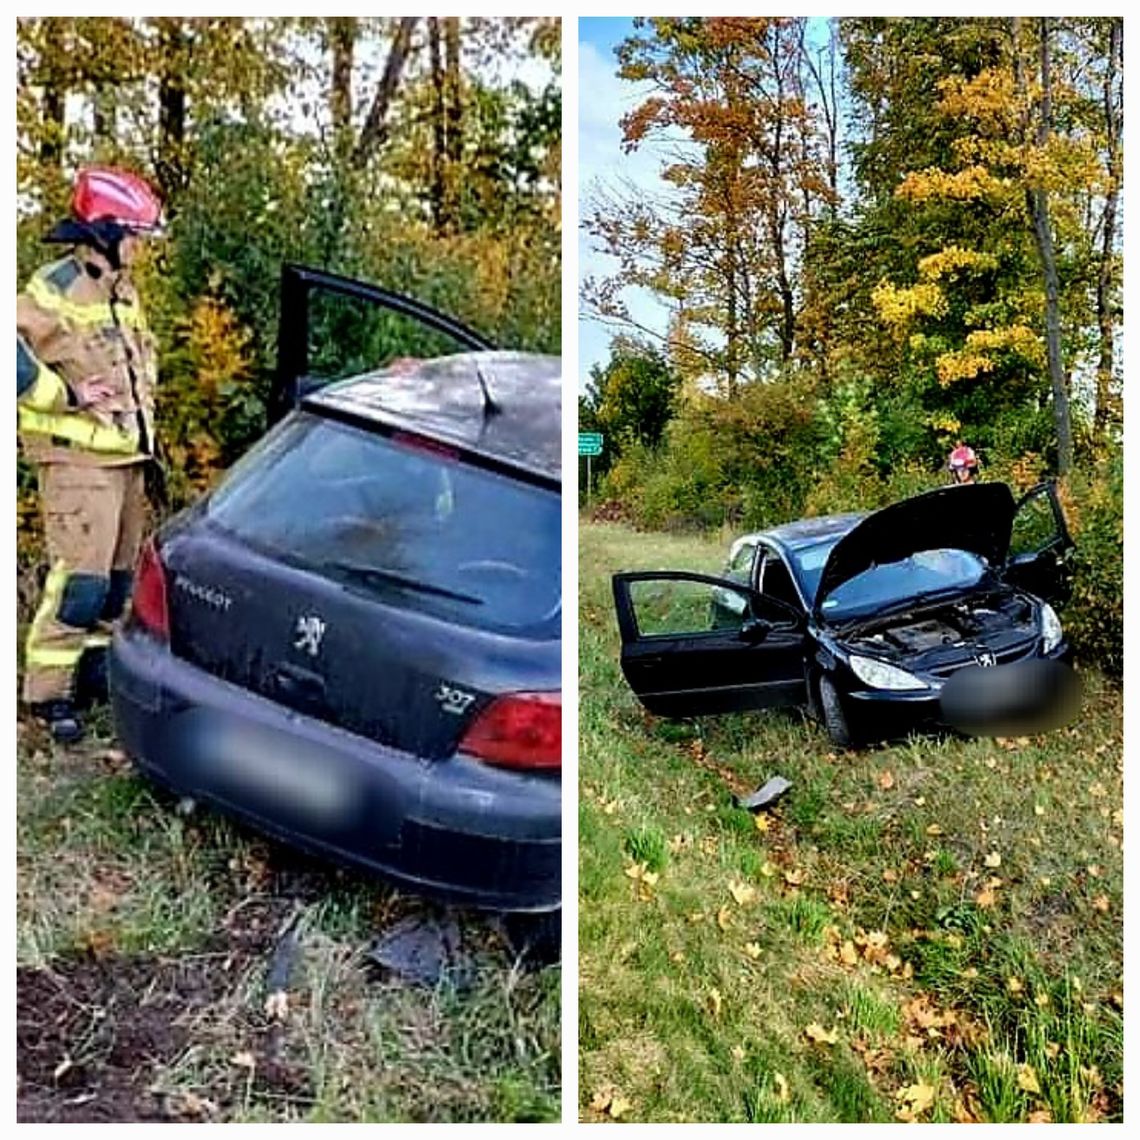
952 259
968 185
897 306
953 366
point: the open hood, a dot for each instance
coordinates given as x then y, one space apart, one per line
977 517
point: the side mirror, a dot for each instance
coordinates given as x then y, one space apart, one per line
755 630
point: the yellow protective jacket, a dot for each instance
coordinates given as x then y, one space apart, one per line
78 319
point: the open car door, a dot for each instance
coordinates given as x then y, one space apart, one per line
332 327
1039 546
683 657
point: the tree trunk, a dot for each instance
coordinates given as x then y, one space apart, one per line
170 164
1038 202
54 97
342 42
375 131
439 155
454 113
105 120
1105 315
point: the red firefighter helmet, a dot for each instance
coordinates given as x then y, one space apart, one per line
106 194
962 457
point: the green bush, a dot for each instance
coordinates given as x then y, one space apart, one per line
1094 616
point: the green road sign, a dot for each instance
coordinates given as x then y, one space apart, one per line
589 443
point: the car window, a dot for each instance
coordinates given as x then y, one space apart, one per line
776 581
740 567
405 520
927 572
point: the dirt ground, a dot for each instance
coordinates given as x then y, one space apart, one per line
92 1033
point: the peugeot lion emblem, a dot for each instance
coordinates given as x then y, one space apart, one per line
310 629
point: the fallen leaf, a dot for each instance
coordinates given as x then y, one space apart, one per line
715 1002
62 1068
993 859
919 801
890 876
618 1106
738 1053
848 954
752 949
933 829
742 893
1038 809
985 898
277 1005
794 877
1014 985
762 822
1040 1116
696 916
724 918
1027 1079
915 1099
767 870
783 1093
816 1032
244 1060
1101 903
885 780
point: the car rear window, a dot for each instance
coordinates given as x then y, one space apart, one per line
402 519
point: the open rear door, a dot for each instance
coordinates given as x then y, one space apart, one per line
332 327
683 657
1039 546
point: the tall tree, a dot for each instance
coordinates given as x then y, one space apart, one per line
744 173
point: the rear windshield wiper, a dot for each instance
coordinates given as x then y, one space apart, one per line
389 577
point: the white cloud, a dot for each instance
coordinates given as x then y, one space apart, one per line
603 99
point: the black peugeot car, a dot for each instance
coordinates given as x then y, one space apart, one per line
354 641
877 623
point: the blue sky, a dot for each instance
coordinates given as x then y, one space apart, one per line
602 100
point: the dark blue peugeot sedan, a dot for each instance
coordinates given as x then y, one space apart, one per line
354 642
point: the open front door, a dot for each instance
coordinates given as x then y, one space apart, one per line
1039 545
332 327
682 655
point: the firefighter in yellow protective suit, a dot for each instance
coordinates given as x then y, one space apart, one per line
85 375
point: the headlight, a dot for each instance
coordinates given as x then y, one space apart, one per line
880 675
1051 632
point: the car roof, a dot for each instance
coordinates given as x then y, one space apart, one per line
807 532
443 398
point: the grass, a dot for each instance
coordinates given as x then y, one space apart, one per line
927 930
122 894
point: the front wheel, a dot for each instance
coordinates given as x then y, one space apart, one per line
833 717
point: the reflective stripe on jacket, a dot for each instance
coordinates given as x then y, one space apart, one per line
77 319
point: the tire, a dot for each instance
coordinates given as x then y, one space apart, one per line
833 717
537 938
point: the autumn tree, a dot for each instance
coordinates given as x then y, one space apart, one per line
743 175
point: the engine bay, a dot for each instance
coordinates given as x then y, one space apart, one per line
977 620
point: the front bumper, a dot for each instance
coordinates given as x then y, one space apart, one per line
455 829
887 713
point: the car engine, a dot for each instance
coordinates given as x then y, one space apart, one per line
959 624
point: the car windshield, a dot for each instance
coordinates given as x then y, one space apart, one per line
403 519
926 573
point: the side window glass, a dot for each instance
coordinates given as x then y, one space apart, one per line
741 565
777 583
673 607
1034 525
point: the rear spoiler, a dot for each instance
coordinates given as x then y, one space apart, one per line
292 380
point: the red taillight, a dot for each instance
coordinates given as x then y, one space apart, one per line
519 730
148 601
